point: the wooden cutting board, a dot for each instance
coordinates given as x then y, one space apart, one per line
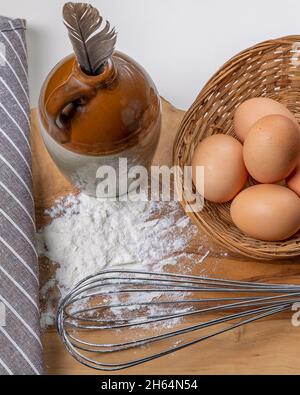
266 347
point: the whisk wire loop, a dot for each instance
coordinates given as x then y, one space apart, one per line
121 305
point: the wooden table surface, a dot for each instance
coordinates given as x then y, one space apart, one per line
270 346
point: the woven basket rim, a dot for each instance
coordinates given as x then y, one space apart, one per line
228 68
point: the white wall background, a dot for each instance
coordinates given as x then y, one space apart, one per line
180 42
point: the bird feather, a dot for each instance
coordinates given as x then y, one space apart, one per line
92 39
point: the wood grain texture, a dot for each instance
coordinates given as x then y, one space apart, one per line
269 346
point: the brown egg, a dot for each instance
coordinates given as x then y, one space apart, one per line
224 170
250 111
267 212
293 181
272 148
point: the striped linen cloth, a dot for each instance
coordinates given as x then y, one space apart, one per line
20 344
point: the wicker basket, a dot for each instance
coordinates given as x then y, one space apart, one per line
269 69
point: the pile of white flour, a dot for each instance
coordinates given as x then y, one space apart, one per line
87 235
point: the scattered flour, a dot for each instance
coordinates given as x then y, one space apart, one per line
87 235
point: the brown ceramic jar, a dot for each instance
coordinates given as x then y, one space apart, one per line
92 121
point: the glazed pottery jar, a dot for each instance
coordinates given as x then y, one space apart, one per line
88 122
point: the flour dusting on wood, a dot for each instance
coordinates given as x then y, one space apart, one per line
87 235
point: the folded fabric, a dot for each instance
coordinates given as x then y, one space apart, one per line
20 344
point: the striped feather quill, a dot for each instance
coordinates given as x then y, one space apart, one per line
93 41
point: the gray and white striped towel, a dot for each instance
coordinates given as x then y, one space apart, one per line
20 344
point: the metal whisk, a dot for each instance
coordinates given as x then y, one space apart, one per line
117 319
